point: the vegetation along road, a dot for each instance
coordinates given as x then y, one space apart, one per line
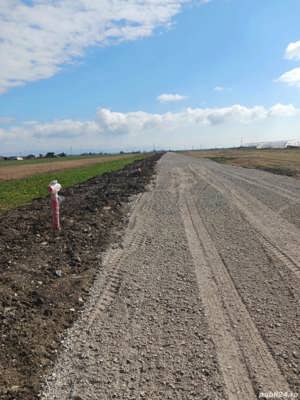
201 300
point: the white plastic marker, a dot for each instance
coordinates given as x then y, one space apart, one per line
54 187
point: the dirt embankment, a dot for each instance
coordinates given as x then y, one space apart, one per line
8 172
45 277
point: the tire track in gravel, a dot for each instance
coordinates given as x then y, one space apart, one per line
268 288
248 367
289 185
111 280
277 235
280 194
283 192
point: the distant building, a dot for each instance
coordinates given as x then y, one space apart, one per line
277 144
14 158
293 144
280 144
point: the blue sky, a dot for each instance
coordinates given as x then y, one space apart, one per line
227 68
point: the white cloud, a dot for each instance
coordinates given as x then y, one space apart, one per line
170 98
37 39
292 52
219 89
137 130
139 123
63 128
113 124
284 110
291 78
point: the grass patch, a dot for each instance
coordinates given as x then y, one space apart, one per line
221 160
15 193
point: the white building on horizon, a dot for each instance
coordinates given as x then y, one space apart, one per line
276 144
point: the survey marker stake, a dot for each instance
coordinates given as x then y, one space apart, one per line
54 187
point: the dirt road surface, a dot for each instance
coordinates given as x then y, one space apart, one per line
202 299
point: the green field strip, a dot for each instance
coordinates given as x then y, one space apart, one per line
15 193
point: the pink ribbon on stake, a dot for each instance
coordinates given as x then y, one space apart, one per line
54 187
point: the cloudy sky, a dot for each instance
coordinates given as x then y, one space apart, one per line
96 75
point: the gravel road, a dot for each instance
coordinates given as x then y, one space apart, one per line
201 301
